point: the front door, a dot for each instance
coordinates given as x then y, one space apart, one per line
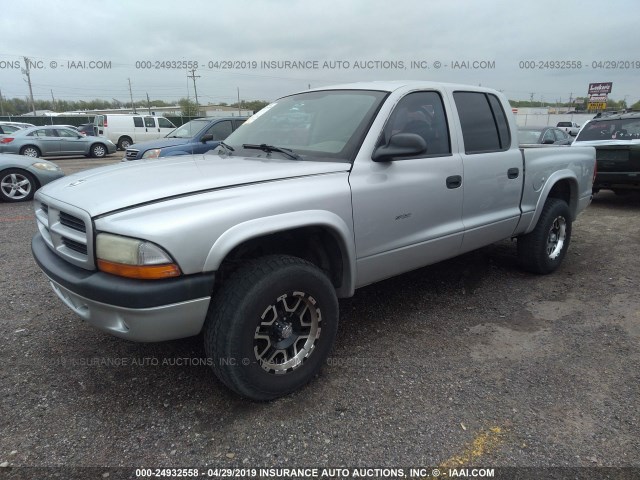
408 211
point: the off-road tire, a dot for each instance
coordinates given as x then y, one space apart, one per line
273 288
543 249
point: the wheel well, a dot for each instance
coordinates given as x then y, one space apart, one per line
127 137
27 146
314 244
565 190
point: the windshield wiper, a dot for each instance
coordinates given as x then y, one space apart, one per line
272 148
227 147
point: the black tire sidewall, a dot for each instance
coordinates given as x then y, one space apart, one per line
240 330
533 248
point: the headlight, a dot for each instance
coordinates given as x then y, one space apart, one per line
155 153
133 258
52 167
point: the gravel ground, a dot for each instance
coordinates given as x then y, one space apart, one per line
468 362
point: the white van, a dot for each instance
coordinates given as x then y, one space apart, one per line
125 130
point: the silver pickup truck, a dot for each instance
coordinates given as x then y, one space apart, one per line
316 195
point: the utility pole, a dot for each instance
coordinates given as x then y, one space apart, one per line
148 103
239 113
53 99
26 71
531 98
131 95
193 77
1 105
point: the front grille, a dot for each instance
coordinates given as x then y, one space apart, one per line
75 246
67 230
72 222
132 154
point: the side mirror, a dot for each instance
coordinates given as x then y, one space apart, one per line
400 145
207 138
548 141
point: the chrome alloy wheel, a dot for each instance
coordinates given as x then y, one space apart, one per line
556 237
287 333
16 186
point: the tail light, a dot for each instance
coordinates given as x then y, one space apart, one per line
6 139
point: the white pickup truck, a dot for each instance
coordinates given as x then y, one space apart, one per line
316 195
572 128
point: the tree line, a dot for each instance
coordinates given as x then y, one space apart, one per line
20 106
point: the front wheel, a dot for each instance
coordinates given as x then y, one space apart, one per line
17 185
98 150
542 250
271 326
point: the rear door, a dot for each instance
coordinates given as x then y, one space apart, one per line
493 176
46 140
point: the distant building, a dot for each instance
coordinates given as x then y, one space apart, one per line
171 111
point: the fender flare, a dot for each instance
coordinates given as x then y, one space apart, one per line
554 178
259 227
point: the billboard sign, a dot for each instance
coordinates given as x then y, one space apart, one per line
600 88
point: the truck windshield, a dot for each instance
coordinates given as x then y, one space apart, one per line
621 129
189 129
322 125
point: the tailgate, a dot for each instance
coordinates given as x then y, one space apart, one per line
618 158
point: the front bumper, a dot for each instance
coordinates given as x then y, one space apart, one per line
138 310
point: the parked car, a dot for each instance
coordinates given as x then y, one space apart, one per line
18 124
318 194
20 176
543 136
72 127
197 136
87 129
124 130
54 141
6 129
572 128
617 142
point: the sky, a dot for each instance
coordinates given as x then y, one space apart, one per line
546 50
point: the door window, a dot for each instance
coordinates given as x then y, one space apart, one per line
220 130
149 122
421 113
137 122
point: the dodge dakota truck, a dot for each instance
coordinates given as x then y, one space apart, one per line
318 194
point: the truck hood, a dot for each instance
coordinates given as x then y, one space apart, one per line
126 184
160 143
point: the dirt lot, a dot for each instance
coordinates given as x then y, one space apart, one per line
468 362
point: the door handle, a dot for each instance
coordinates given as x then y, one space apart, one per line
513 173
454 181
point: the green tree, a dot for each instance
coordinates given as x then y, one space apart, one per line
189 107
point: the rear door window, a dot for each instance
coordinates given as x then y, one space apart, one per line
484 124
149 122
137 122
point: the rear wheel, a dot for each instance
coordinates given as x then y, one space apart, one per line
124 143
17 185
30 151
271 326
542 250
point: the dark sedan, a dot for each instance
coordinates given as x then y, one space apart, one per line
54 141
543 136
